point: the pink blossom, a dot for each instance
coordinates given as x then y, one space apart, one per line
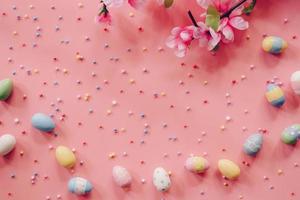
206 36
136 3
180 39
104 17
234 21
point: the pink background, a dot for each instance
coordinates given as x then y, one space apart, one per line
165 73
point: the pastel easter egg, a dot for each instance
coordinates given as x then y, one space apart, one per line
79 186
274 45
42 122
121 176
291 134
253 144
196 164
229 169
295 82
65 157
6 87
161 179
275 95
7 144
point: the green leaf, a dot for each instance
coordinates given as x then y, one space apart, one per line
249 8
168 3
212 18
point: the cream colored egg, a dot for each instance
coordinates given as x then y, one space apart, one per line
7 144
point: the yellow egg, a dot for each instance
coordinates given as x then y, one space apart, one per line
65 157
229 169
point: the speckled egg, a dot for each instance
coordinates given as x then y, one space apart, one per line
253 144
161 179
6 87
291 134
121 176
275 95
79 186
7 144
229 169
274 45
295 82
65 157
42 122
196 164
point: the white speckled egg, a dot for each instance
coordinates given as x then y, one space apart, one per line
295 82
7 144
121 176
161 179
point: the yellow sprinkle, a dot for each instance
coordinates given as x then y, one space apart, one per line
112 155
15 33
123 130
131 14
79 57
65 71
145 49
36 71
108 112
131 81
169 173
163 94
279 172
222 128
205 82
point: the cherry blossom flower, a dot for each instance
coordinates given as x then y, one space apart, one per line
180 39
206 36
104 17
233 21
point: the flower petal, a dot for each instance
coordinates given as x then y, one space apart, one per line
239 23
204 3
114 3
180 53
214 40
136 3
224 22
228 34
175 31
186 36
171 42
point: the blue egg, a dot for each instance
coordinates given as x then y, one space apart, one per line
42 122
79 186
253 144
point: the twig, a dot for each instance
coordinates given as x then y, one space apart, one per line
192 18
228 12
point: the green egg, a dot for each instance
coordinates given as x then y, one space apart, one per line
6 87
291 134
